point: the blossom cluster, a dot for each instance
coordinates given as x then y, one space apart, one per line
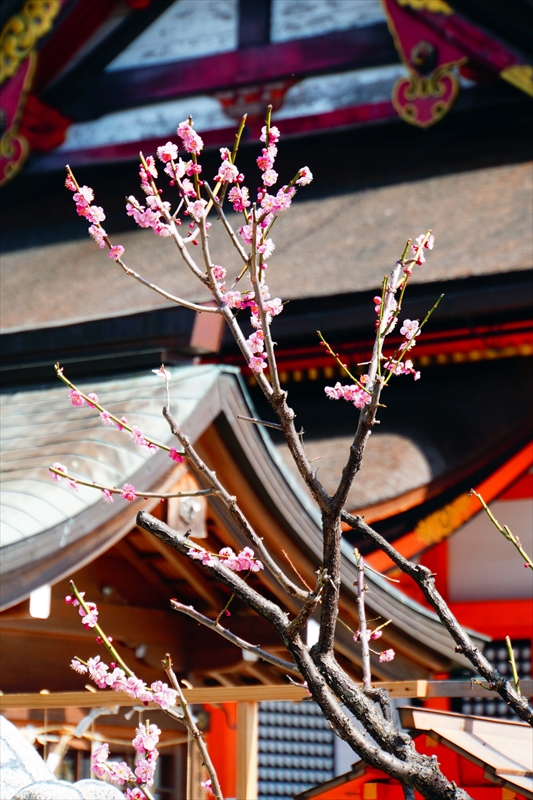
78 400
386 655
398 367
83 196
271 308
89 615
245 561
369 635
353 394
422 243
158 692
155 213
144 743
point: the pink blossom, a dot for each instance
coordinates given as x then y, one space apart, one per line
98 234
274 307
229 558
137 436
246 233
106 419
334 392
240 197
77 666
134 794
164 696
284 198
98 759
419 254
75 398
98 671
208 787
410 328
429 244
265 161
198 554
306 176
95 214
256 342
135 687
224 153
270 176
117 680
145 771
90 619
192 169
269 203
191 141
69 183
266 248
232 299
386 655
369 635
219 273
59 467
83 196
227 172
274 134
119 772
257 363
353 394
197 209
124 421
73 485
116 252
175 456
162 373
167 152
188 189
128 492
92 398
147 738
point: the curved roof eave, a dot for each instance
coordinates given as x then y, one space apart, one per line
34 560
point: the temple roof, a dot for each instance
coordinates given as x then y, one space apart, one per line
53 531
324 246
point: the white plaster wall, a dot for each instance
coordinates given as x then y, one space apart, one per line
298 19
482 564
187 29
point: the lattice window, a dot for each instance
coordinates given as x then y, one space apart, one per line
295 749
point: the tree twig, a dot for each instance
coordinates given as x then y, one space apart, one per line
193 729
233 638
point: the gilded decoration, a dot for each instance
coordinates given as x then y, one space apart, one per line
442 523
423 101
434 6
521 76
21 33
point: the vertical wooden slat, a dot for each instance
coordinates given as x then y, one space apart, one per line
247 735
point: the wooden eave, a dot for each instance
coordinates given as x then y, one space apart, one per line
245 460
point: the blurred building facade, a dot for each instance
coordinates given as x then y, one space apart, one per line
412 115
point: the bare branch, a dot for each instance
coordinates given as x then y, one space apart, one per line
311 602
505 531
231 637
424 579
193 729
265 608
178 300
231 504
231 233
255 421
365 652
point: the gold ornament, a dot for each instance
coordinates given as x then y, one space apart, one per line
21 33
